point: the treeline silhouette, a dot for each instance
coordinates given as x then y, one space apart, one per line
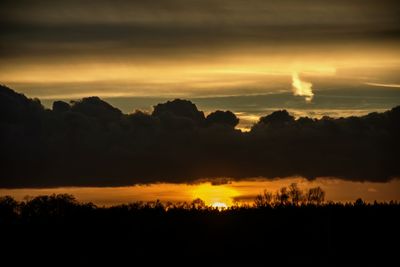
290 226
88 142
63 207
290 196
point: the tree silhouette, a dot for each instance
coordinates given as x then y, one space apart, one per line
8 208
315 195
295 194
198 204
282 196
263 200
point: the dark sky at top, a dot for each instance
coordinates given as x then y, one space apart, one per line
57 27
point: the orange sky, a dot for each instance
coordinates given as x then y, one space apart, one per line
241 191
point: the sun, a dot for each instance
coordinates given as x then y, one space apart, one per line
219 196
219 205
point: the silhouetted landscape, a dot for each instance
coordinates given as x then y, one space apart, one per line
89 142
290 226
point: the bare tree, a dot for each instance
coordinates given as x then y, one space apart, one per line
198 204
263 200
315 195
295 194
282 196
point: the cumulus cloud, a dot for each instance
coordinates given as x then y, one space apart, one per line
91 143
302 88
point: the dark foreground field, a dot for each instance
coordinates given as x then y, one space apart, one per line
61 230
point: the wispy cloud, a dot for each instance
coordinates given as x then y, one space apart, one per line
302 88
392 85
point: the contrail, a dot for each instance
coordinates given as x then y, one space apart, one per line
302 88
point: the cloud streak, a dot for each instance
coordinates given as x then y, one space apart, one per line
391 85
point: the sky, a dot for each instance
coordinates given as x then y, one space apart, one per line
71 49
122 50
312 57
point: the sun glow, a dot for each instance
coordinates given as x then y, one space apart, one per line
219 205
218 196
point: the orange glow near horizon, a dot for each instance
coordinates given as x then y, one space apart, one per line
235 192
215 194
219 205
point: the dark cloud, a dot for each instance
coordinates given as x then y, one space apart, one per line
49 28
91 143
223 118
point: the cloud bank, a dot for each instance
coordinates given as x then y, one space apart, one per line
91 143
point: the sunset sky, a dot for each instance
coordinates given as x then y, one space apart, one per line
311 57
232 193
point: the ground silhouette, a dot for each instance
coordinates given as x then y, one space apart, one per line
288 227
